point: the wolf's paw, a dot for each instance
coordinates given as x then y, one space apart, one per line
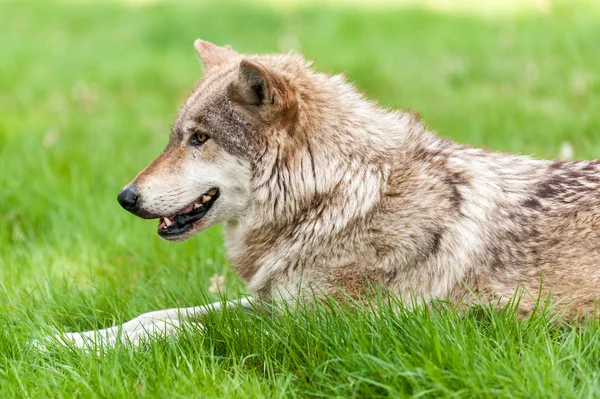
133 333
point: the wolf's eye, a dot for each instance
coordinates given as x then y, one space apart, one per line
198 138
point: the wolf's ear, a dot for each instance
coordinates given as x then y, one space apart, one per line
259 86
213 55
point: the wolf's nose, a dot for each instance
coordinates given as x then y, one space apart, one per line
128 198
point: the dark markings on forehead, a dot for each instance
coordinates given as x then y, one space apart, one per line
209 107
200 99
217 118
228 128
219 78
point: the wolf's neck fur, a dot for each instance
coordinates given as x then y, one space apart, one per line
340 146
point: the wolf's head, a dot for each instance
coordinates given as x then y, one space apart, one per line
240 123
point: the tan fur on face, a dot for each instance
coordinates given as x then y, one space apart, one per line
338 190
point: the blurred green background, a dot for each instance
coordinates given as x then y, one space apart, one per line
88 90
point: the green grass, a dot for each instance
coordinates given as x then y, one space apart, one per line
87 94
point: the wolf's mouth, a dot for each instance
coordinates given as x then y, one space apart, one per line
183 221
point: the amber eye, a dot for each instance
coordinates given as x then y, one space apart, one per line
199 138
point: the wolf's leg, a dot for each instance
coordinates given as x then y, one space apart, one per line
158 323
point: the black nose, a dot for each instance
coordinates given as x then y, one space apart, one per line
128 198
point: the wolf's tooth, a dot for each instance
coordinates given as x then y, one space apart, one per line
205 198
212 192
168 222
196 206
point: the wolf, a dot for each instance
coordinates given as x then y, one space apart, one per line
320 190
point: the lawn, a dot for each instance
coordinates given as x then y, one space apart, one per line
88 90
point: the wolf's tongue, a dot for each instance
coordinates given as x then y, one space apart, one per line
188 209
